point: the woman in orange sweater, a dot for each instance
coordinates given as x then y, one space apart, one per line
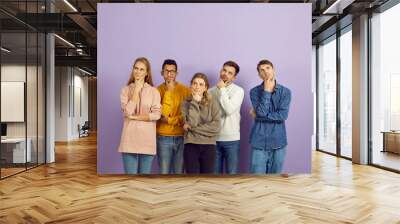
140 103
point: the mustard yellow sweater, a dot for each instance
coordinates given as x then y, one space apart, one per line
171 108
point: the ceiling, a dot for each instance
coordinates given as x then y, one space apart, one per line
76 22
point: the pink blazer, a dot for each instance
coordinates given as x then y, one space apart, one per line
140 136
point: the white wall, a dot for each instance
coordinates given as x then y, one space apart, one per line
50 94
71 93
314 91
80 110
62 81
15 72
33 127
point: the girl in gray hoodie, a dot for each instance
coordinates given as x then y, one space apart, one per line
202 121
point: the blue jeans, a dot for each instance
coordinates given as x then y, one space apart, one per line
267 161
228 154
134 162
170 154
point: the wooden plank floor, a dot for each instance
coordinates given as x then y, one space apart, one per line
70 191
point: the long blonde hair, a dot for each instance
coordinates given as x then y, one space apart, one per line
149 77
206 96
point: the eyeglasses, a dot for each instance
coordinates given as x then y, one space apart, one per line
169 71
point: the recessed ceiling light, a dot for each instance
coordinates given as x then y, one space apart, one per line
64 40
70 5
84 71
5 49
328 10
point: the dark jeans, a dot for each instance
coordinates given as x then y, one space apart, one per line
228 155
199 158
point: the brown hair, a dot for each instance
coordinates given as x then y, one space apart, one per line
264 62
148 78
232 64
206 96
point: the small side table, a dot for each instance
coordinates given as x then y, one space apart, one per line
391 141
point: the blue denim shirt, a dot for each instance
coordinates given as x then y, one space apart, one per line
272 109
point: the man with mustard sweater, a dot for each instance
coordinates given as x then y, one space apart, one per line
170 126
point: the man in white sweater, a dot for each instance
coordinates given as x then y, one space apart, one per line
230 97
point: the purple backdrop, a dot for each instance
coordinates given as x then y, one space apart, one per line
201 37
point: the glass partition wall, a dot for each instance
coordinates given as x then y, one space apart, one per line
327 96
334 94
385 89
346 73
22 77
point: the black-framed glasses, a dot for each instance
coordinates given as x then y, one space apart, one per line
169 71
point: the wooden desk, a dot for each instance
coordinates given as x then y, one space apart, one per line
13 150
391 141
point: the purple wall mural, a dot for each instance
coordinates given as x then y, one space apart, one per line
201 37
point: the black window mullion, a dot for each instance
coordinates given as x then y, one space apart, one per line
37 90
338 92
369 95
44 72
26 87
317 96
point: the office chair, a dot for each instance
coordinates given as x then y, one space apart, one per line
84 130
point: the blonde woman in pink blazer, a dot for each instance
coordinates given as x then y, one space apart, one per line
140 103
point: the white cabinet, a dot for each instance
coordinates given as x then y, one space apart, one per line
17 147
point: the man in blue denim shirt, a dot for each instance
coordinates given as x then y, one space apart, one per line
268 140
